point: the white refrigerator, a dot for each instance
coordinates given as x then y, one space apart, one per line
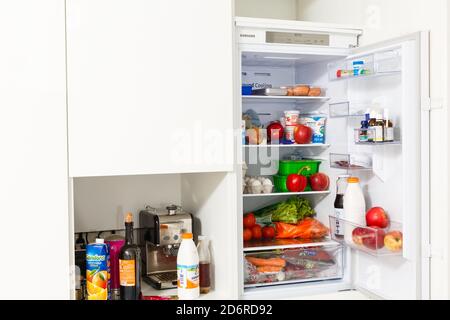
275 53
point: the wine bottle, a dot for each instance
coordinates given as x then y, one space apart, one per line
129 264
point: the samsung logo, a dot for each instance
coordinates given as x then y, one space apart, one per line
243 35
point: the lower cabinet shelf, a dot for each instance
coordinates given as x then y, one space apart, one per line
293 265
374 241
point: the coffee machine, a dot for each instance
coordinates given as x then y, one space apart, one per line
160 233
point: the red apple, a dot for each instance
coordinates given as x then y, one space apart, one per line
377 217
303 134
394 241
319 182
275 132
374 238
358 235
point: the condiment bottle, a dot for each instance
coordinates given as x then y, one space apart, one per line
379 128
205 262
388 127
341 187
371 129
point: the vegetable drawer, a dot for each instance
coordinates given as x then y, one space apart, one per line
287 266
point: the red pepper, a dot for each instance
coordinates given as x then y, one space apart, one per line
297 182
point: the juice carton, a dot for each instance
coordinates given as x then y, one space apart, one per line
98 271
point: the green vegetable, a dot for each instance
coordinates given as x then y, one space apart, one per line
290 211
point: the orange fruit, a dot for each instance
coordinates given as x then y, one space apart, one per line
100 279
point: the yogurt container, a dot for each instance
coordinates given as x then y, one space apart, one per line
317 123
289 133
291 117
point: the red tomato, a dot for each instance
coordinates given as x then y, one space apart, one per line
249 220
303 134
256 232
247 234
296 183
319 182
268 232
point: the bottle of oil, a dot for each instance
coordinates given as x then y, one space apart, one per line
129 264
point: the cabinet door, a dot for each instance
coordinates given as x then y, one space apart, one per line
150 86
34 240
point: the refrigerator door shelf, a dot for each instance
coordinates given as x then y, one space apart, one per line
369 240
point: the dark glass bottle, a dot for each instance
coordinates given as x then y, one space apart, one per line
129 265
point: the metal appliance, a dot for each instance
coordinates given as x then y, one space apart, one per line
160 233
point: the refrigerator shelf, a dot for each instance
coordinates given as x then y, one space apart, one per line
365 239
294 265
380 64
384 143
286 99
347 109
286 146
284 194
351 161
280 244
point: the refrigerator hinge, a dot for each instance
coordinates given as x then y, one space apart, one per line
429 104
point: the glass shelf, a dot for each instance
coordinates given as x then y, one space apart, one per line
350 161
346 109
278 244
286 99
369 240
284 194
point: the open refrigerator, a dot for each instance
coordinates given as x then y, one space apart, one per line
274 53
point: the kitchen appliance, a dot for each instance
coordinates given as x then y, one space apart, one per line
159 238
393 75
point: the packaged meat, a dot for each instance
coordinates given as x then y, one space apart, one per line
308 228
293 265
315 92
301 90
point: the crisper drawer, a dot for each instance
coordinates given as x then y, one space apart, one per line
287 266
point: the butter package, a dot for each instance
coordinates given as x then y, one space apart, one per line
98 271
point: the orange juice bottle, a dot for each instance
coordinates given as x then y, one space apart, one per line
97 271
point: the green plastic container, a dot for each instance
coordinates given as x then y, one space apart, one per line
280 184
287 167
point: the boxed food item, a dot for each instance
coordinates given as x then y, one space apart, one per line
318 124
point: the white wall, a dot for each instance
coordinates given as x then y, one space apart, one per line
383 19
33 151
274 9
102 202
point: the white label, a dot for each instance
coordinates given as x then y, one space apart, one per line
389 134
339 228
188 276
378 134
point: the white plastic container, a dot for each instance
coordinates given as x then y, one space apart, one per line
291 117
188 269
354 206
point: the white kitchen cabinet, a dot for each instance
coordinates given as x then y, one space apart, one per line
150 86
33 143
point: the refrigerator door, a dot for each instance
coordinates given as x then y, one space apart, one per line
397 79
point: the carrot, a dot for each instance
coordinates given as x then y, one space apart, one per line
272 262
269 269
